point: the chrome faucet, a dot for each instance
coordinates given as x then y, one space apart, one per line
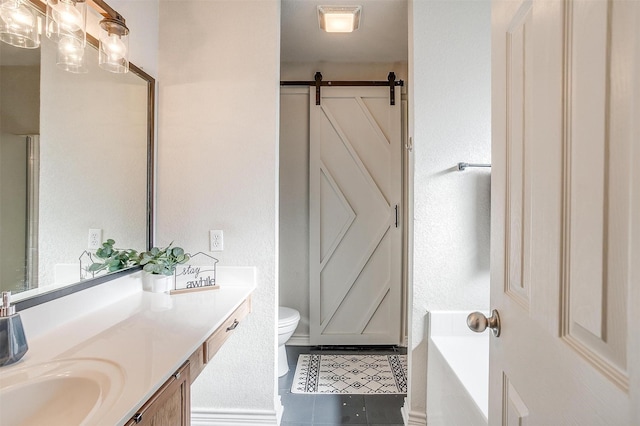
13 342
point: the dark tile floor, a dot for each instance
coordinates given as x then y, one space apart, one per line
331 410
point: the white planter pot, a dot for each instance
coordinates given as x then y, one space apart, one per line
157 283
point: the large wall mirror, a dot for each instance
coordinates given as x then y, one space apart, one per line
76 153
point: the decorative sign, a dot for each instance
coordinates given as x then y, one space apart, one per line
197 274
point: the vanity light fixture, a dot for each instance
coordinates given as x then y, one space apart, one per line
19 24
66 22
70 56
67 19
114 45
339 19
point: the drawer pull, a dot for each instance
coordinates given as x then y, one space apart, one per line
234 325
137 418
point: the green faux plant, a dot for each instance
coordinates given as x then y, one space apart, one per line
113 259
162 261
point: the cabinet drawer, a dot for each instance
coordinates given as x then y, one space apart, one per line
215 341
196 362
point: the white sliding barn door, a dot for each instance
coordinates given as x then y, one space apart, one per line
565 212
355 232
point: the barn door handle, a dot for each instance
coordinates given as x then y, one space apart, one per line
477 322
396 215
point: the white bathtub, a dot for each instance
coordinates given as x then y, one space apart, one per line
457 371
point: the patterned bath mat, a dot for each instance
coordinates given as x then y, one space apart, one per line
351 374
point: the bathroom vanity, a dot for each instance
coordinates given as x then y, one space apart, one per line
170 405
130 361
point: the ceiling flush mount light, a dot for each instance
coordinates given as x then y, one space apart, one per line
339 19
114 45
19 24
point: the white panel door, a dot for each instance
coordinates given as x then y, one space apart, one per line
355 233
565 212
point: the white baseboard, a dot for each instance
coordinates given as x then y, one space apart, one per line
303 340
299 340
213 417
413 418
417 419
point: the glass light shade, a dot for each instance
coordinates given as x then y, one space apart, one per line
113 53
339 19
66 18
70 56
19 24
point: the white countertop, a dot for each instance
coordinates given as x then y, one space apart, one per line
147 336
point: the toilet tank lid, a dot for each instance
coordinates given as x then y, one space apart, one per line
287 314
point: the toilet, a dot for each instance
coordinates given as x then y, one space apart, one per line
287 322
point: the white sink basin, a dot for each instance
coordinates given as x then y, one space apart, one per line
68 392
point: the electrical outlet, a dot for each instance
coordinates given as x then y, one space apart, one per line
95 239
216 241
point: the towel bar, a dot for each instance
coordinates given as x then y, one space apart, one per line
463 166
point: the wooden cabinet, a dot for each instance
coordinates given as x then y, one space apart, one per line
170 405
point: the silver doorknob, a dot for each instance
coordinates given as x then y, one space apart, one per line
478 322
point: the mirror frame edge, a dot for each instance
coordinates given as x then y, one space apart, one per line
150 210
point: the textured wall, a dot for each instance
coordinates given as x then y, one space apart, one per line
451 121
294 204
218 169
294 173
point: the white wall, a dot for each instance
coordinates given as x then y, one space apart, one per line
450 90
294 174
218 169
294 205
